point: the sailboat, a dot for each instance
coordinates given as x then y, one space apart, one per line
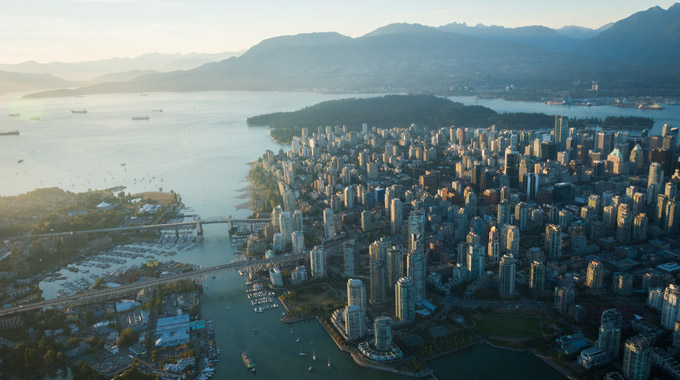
313 355
329 363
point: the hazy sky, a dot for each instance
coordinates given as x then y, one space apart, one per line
74 30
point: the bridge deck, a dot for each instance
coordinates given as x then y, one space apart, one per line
99 295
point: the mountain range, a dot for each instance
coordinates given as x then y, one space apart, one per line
453 57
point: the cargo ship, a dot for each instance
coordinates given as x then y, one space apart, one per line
79 111
248 362
655 107
9 133
140 118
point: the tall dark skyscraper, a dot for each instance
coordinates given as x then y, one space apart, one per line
561 131
512 167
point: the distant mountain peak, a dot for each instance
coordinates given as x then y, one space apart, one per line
650 36
402 28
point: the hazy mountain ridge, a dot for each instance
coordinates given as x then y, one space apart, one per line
646 37
417 58
90 70
11 81
394 59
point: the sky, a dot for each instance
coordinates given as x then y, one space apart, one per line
79 30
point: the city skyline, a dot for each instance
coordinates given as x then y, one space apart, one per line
81 30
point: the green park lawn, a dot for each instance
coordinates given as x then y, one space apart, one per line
508 326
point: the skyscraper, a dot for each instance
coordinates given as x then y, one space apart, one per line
328 224
636 363
349 258
537 277
670 307
506 276
404 300
349 197
624 224
416 271
276 213
609 337
297 220
470 202
382 330
564 220
356 294
654 181
595 275
298 242
564 298
396 215
416 223
521 215
637 159
366 221
493 249
286 227
475 261
609 214
395 266
513 240
640 227
530 185
503 214
561 131
317 257
377 282
511 168
354 322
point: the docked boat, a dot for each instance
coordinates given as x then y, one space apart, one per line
35 118
79 111
654 107
248 361
14 115
297 340
9 133
313 355
302 354
140 118
329 363
20 161
157 110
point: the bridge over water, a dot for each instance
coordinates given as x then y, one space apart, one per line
197 223
92 296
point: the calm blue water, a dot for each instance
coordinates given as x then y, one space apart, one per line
670 114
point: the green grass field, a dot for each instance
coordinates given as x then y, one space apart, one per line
508 326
